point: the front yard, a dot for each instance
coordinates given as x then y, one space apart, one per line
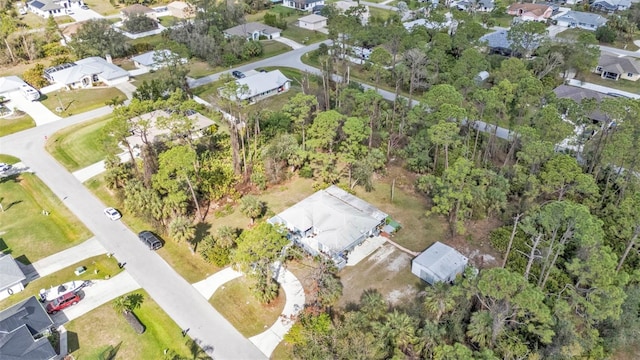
92 334
624 85
27 234
15 123
73 102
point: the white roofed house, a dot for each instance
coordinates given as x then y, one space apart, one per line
312 22
439 263
45 8
304 5
12 278
86 73
331 222
157 59
253 31
582 20
259 86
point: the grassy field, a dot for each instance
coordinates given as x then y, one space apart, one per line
79 101
103 264
27 234
252 317
94 332
10 125
190 266
380 13
32 21
168 21
303 36
624 85
79 146
103 7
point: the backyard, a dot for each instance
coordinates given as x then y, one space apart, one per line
92 334
27 233
78 101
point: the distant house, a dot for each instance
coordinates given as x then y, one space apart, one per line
530 12
312 22
253 31
499 43
86 73
137 9
12 278
485 5
156 134
331 222
157 59
24 328
181 10
582 20
46 8
9 84
261 85
304 5
344 6
615 68
578 94
611 5
410 25
439 263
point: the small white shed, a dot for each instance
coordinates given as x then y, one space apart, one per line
439 263
312 22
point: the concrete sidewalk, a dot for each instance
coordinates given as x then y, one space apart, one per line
602 89
99 293
65 258
292 44
96 169
209 285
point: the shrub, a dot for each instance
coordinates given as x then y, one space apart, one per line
605 34
139 23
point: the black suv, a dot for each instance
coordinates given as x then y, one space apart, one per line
149 239
237 74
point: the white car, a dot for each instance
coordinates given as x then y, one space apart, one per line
112 213
4 167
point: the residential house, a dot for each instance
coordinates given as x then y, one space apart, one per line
46 8
439 263
611 5
409 25
12 278
485 5
499 43
86 73
312 22
253 31
157 59
582 20
199 123
331 222
579 94
530 12
615 68
9 84
181 10
260 85
344 6
304 5
24 328
137 9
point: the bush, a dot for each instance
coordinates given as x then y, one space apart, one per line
135 323
139 23
605 34
306 172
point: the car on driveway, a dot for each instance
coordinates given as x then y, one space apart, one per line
112 213
84 7
4 167
237 74
150 240
63 302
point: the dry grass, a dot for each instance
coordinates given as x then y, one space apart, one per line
19 69
103 7
236 303
79 100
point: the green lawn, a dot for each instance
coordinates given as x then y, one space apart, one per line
94 332
168 21
624 85
105 266
252 317
380 13
303 36
32 21
10 125
80 100
79 146
25 232
103 7
190 266
572 34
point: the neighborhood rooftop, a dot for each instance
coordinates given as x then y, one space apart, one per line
620 65
439 263
28 312
245 30
70 73
261 83
581 17
10 272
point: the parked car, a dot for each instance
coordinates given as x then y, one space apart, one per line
70 12
4 167
63 302
112 213
84 7
237 74
150 239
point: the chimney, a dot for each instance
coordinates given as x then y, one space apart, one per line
108 57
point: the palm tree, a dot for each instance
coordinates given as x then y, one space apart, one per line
183 230
399 332
479 330
226 236
439 300
128 303
251 207
373 304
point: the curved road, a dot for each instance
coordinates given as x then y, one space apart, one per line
179 299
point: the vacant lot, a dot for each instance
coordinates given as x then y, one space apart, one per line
251 317
79 146
78 101
15 123
93 333
98 267
25 232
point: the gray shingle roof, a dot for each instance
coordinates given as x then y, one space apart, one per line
28 312
10 272
261 82
244 30
619 65
583 17
19 344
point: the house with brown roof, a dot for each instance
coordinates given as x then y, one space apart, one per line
530 12
615 68
137 9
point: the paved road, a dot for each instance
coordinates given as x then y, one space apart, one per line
176 297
